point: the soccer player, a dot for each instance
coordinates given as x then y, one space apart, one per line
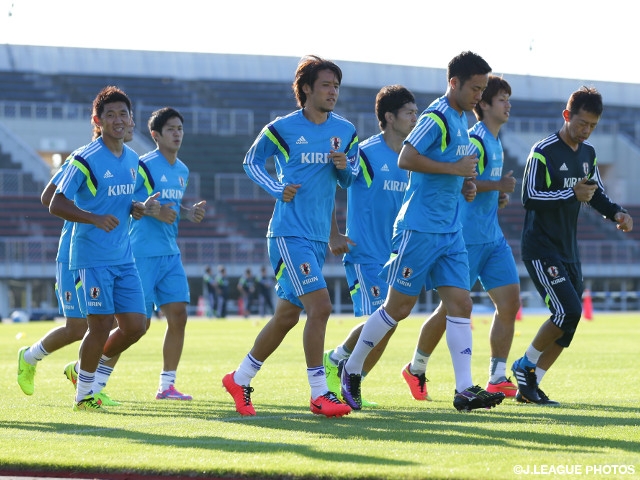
428 247
561 173
373 202
490 258
209 290
75 325
265 288
221 284
96 193
314 151
154 240
246 288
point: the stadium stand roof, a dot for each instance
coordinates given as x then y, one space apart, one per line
67 60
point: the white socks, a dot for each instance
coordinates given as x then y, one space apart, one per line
419 363
497 369
35 353
247 369
459 341
532 354
166 380
84 384
374 330
317 381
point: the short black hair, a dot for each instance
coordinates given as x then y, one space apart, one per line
466 65
307 74
391 99
160 117
496 85
587 99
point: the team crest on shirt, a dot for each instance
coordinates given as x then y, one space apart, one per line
181 181
94 292
305 268
585 167
553 271
335 143
375 291
67 296
133 173
406 272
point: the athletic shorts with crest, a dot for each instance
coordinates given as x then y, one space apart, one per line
108 290
368 291
429 260
163 281
297 263
493 264
66 283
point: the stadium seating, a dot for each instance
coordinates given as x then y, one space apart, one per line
25 216
142 90
634 211
209 155
28 87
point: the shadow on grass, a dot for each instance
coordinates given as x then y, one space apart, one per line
503 426
507 425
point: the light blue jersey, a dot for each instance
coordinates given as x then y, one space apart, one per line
149 236
373 201
432 201
301 153
67 227
65 286
99 182
480 217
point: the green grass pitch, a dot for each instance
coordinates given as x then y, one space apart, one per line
595 433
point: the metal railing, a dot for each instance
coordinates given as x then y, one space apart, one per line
197 120
600 257
237 121
18 183
238 186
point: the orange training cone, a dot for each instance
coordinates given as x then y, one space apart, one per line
200 309
587 305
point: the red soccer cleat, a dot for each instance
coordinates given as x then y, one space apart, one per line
241 395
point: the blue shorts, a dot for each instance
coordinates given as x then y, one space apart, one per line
111 290
297 263
163 281
432 260
366 288
66 283
493 264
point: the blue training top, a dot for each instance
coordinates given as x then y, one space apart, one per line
431 203
373 202
480 217
67 227
300 149
101 183
149 236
